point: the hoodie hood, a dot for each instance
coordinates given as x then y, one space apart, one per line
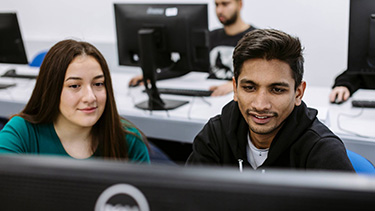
237 129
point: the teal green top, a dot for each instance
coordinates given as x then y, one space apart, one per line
21 136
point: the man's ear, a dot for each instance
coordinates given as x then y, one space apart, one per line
234 89
241 4
300 92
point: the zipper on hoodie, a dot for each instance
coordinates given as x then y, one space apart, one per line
240 165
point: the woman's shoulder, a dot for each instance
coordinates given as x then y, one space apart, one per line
133 134
16 136
128 126
20 125
18 122
137 148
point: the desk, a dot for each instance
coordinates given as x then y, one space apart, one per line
355 126
180 124
183 123
13 100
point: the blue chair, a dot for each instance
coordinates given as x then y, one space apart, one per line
38 59
157 156
361 165
3 121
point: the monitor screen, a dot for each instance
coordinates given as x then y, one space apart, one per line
56 183
12 50
361 54
181 34
162 37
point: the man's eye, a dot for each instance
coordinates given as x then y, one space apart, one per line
248 88
278 90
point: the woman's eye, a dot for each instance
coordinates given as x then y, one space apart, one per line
99 84
74 86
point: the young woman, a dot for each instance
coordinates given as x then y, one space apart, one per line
72 111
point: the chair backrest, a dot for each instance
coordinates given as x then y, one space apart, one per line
38 59
361 165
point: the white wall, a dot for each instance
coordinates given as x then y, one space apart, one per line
322 26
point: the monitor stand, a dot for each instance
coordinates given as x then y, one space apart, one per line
146 39
168 105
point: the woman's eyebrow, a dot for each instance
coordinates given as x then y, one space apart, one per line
79 78
73 78
99 76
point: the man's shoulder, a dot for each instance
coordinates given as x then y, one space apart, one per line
216 33
251 28
321 130
318 134
221 32
229 113
213 121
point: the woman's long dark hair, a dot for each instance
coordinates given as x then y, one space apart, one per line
43 106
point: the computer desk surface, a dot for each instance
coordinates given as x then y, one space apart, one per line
180 124
355 126
184 123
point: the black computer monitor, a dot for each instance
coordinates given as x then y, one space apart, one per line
53 183
12 50
162 37
361 53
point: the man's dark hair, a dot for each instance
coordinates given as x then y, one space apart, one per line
270 44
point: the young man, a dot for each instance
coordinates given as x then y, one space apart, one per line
222 43
268 125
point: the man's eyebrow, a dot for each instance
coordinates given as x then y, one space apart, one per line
247 81
280 84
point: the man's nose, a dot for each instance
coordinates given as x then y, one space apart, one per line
261 101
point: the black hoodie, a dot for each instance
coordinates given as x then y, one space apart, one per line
354 81
303 142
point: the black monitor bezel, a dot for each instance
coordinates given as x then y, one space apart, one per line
18 56
149 33
46 182
359 60
193 61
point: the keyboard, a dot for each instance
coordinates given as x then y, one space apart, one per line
363 103
4 86
185 92
13 74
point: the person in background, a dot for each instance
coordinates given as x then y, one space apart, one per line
72 111
349 82
267 125
222 43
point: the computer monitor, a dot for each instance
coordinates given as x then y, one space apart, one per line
56 183
162 37
12 50
361 54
